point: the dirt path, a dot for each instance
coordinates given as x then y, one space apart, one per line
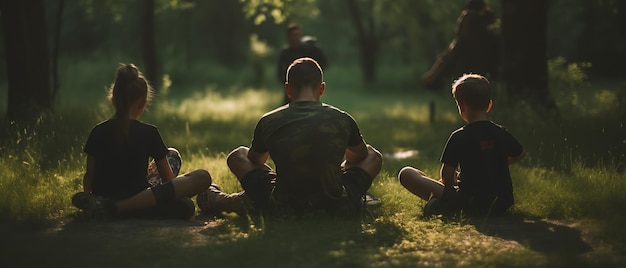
75 242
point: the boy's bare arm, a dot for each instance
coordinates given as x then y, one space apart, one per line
447 175
88 177
515 159
257 158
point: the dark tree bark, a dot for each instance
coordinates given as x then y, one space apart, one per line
367 37
151 68
524 29
55 48
28 61
226 31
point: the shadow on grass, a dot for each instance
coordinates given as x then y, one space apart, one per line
231 240
539 235
298 242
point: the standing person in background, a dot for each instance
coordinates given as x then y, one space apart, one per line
298 47
474 49
117 181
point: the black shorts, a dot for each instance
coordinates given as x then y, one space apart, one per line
259 185
357 181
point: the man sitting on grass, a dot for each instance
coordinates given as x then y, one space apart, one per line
482 150
322 162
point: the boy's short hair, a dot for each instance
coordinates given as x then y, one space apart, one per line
303 73
473 90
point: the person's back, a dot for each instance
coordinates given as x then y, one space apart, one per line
307 141
481 149
121 160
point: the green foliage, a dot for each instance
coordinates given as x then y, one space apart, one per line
582 30
413 32
567 74
279 11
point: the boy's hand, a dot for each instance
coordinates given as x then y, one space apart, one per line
516 159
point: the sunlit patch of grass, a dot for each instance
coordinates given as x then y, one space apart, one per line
585 191
247 104
436 243
215 163
418 112
588 102
406 112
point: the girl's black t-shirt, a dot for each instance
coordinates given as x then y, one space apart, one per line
121 160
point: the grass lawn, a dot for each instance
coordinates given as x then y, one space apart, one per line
569 192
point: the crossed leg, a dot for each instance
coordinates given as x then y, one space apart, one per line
418 183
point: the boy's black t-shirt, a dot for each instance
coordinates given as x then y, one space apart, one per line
121 161
307 141
481 150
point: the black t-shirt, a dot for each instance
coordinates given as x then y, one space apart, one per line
121 161
307 141
481 150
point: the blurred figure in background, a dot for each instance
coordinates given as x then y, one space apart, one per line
298 47
474 49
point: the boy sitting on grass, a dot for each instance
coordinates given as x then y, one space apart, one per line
481 150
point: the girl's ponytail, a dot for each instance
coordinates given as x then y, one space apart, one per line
129 87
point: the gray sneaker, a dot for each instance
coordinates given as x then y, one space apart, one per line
371 201
213 200
97 206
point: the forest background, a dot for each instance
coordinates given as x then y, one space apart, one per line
214 67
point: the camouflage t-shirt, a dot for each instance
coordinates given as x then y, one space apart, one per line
307 142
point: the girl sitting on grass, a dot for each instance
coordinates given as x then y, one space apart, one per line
116 182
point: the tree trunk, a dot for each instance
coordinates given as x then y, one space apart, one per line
55 48
367 38
151 68
524 30
28 63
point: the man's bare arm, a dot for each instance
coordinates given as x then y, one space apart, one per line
356 154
